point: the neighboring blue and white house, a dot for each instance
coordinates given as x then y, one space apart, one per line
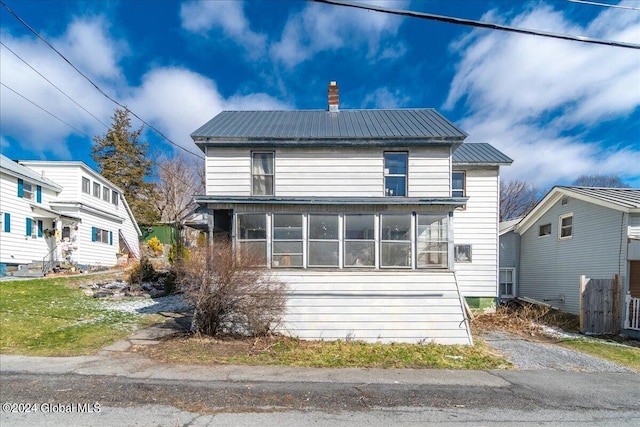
509 259
57 212
577 231
380 221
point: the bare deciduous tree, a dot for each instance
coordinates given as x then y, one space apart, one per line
180 179
611 181
517 198
231 295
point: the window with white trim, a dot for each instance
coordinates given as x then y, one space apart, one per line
462 253
115 197
252 236
27 191
324 242
432 241
86 185
262 166
458 184
395 240
359 240
100 235
106 194
287 249
565 226
395 174
96 189
507 283
544 230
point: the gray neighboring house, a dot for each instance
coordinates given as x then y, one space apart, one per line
509 259
577 231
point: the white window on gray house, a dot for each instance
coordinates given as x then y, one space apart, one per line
544 230
106 193
565 226
507 282
86 185
262 173
433 241
395 174
395 240
324 240
252 236
462 253
115 197
96 189
458 184
359 241
287 240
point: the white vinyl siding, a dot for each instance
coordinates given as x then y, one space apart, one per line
477 225
429 172
228 172
374 306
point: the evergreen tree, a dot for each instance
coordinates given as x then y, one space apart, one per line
123 160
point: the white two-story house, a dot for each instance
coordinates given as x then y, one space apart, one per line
62 212
379 221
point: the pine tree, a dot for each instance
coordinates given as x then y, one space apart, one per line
123 160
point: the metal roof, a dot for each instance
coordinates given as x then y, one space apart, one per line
479 153
628 198
426 125
16 169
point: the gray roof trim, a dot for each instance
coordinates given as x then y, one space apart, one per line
479 154
322 125
20 171
449 201
277 143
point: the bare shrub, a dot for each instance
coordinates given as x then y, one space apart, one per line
231 295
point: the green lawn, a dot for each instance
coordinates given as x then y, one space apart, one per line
611 351
52 317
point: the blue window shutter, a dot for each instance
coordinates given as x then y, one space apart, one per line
94 231
7 222
20 188
111 237
39 194
28 233
39 228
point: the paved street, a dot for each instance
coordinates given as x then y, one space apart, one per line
132 391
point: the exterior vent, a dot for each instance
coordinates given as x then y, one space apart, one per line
333 97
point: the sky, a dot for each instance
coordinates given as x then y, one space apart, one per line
558 108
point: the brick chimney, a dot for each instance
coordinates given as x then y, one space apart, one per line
333 97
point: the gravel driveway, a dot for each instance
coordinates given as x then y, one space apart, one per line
532 355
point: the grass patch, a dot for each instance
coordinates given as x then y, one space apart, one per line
52 317
611 351
323 354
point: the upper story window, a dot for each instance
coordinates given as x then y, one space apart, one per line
26 190
115 197
565 226
86 185
96 189
106 193
262 173
395 174
458 184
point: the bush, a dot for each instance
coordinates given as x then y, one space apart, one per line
231 295
172 257
155 246
142 272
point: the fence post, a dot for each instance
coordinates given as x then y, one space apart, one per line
583 284
617 312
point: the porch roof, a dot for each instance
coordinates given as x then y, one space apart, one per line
376 201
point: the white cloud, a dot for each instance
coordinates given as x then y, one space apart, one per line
536 98
386 99
319 28
202 17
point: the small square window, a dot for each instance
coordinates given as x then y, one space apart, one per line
462 253
544 230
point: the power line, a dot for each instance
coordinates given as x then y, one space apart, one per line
52 84
593 3
480 24
46 111
103 93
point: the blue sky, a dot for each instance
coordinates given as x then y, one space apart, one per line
558 108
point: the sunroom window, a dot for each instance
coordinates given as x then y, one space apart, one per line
252 236
433 241
395 242
287 240
359 240
323 240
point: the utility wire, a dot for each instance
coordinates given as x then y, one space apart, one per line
52 84
22 21
593 3
45 110
480 24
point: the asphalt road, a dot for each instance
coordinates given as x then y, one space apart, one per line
65 391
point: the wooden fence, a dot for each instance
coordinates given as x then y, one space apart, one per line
600 306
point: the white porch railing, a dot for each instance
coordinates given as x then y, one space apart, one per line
632 319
